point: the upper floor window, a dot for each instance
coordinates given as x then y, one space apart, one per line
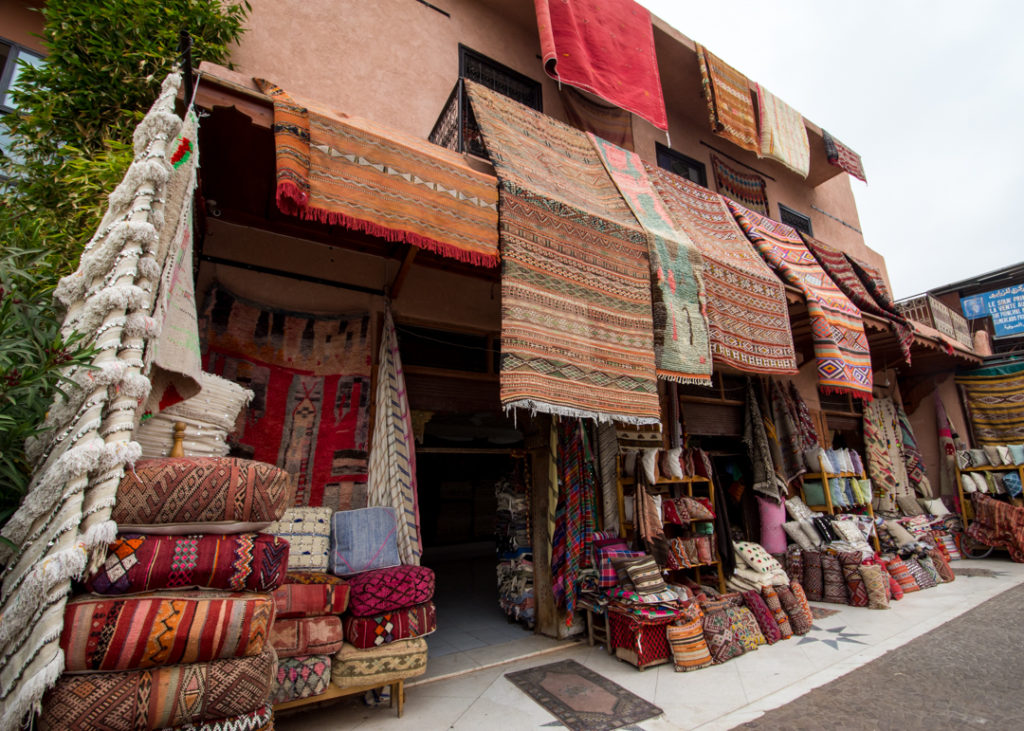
795 219
12 57
456 128
680 164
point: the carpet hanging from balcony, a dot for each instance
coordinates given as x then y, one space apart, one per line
727 93
748 190
748 317
605 47
843 157
840 345
840 269
576 330
783 135
682 350
311 377
362 176
607 122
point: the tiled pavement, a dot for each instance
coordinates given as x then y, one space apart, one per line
963 668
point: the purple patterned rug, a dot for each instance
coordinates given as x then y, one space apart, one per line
580 698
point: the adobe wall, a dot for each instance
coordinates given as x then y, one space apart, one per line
20 21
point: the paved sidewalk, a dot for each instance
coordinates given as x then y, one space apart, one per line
777 679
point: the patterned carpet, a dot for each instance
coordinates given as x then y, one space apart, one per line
580 698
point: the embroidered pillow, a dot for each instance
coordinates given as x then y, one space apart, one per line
833 583
874 584
622 564
924 572
765 619
744 626
1017 452
978 457
942 565
308 532
696 509
798 620
794 563
801 598
992 455
813 582
705 555
771 600
756 557
646 576
689 649
796 532
719 635
934 506
899 570
608 576
850 563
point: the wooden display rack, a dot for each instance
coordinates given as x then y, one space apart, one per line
966 509
333 692
672 485
824 475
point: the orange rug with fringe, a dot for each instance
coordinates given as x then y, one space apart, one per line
353 173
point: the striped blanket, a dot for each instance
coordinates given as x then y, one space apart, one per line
995 399
576 330
353 173
727 93
783 135
748 317
840 270
840 345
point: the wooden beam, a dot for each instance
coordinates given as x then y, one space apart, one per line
403 270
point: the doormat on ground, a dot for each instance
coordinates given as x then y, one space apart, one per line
580 698
822 612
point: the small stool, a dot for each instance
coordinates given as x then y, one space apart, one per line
598 629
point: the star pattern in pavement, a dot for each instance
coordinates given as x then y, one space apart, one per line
831 636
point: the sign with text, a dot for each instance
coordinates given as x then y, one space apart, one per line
1004 306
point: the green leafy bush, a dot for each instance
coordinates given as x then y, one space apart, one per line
71 144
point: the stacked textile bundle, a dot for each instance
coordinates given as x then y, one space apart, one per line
389 608
515 554
844 532
308 630
145 649
755 568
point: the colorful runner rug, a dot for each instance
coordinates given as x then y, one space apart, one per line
391 481
311 376
575 516
998 524
843 157
727 92
353 173
764 477
580 698
577 336
912 456
748 317
682 349
995 400
605 47
783 135
749 190
840 345
840 270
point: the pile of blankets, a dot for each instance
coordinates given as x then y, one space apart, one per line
173 629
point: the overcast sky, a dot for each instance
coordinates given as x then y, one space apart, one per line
931 94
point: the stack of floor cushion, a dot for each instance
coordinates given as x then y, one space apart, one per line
390 608
174 632
308 630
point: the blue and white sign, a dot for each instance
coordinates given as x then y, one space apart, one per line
1004 306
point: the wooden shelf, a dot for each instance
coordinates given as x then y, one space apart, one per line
829 507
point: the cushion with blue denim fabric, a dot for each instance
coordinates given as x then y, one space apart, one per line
363 540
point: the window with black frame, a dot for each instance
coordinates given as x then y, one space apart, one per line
795 219
680 164
12 59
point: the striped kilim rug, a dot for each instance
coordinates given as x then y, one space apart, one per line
354 173
748 317
840 345
730 106
576 330
783 134
391 481
681 346
749 189
841 271
995 399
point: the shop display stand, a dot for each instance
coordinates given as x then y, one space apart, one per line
966 509
678 487
825 475
333 692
